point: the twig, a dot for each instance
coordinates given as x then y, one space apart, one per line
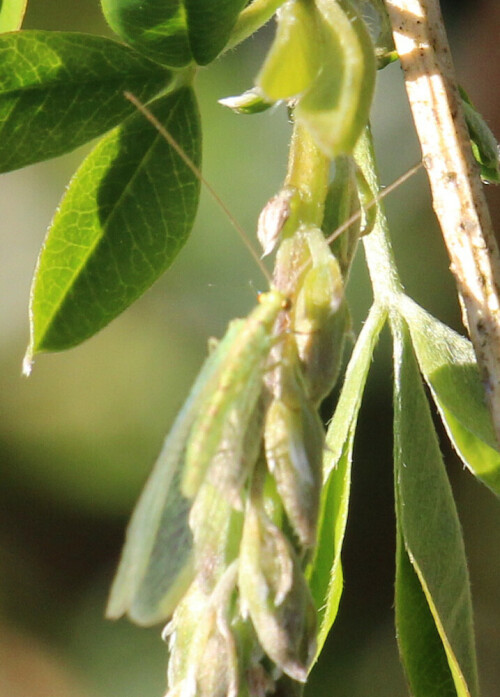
458 198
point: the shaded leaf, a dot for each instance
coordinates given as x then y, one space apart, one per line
325 573
125 216
11 14
174 32
448 363
156 28
59 90
431 535
420 645
484 144
209 25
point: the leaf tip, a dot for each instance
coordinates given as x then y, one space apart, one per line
28 362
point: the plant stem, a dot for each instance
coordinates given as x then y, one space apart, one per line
458 198
308 170
378 249
251 19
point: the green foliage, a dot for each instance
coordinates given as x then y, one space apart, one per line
12 14
59 90
232 526
431 536
325 574
125 216
174 32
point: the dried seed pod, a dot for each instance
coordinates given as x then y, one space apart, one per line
277 216
294 441
274 592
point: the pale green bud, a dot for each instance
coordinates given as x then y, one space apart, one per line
275 594
320 319
294 441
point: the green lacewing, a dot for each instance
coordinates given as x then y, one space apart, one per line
157 562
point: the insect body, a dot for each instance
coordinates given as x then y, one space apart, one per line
157 562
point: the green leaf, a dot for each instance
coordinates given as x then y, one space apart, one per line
432 540
448 363
174 32
336 107
209 25
484 144
325 573
125 216
295 57
156 28
59 90
419 642
11 14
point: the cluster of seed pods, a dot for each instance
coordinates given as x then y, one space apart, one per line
253 471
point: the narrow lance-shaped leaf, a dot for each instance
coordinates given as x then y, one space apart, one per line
325 573
432 540
125 216
59 90
448 363
419 642
12 14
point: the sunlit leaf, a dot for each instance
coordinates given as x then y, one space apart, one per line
432 539
174 32
59 90
125 216
294 59
449 366
156 28
336 107
12 14
325 573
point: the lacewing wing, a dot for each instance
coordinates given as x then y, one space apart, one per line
157 563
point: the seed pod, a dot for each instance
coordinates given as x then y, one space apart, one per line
275 594
320 319
203 648
276 214
294 441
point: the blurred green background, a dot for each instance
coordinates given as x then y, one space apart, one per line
78 438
